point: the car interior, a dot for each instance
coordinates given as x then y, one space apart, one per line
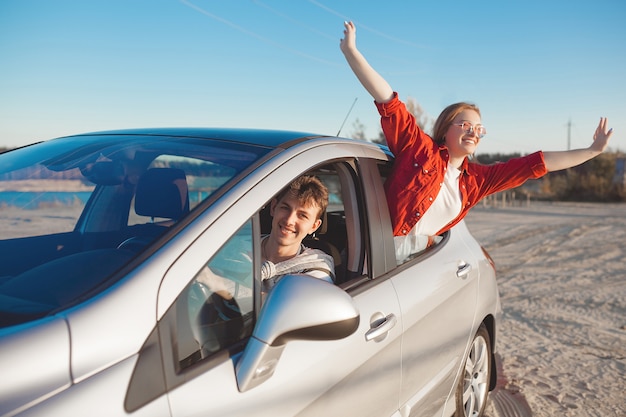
63 263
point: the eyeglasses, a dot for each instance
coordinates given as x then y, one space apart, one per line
470 128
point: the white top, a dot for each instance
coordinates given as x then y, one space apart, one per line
445 208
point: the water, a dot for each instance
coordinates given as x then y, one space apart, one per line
37 199
31 200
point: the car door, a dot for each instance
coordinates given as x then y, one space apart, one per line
437 290
356 375
438 298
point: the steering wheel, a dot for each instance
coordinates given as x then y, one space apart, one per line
215 321
134 243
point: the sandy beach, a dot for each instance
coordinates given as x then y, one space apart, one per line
562 277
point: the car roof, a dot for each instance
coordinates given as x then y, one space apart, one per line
263 137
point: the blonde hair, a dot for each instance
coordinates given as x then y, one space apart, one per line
446 118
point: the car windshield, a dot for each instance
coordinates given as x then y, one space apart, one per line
71 203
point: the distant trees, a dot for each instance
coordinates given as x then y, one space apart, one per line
596 180
358 131
424 121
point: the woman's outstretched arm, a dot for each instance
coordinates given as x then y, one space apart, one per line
566 159
376 85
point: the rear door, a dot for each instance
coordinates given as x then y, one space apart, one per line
438 297
437 290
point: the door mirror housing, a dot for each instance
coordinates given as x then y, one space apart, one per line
299 307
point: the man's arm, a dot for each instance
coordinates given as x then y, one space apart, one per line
373 82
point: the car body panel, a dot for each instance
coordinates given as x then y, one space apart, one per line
41 349
101 395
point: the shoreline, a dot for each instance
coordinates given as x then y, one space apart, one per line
48 185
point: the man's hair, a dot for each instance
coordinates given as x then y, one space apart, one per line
307 189
446 118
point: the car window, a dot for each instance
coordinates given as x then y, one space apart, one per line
418 244
216 309
343 234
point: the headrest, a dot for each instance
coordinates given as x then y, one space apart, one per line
162 192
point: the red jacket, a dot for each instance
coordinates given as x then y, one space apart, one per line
420 166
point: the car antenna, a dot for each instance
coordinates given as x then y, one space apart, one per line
344 120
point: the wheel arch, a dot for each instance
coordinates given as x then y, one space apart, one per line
490 324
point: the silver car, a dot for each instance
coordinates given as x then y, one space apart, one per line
102 236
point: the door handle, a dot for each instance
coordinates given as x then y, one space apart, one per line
463 270
381 328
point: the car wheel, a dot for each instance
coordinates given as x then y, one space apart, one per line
473 386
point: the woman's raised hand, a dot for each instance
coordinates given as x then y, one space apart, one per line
349 37
601 136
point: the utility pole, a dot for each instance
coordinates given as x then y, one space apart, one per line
569 134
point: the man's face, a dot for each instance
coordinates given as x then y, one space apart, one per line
292 221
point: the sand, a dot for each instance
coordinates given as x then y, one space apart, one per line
561 271
15 222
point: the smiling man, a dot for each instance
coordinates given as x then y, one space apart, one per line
296 212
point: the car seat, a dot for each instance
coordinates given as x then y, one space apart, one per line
161 193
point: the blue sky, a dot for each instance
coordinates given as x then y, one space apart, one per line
73 66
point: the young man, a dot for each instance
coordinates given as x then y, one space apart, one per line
296 212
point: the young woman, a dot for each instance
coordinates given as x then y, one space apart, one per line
433 184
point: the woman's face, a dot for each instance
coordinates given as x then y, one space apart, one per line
460 141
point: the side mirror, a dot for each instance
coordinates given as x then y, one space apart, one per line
299 307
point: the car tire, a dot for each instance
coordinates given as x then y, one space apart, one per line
473 387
